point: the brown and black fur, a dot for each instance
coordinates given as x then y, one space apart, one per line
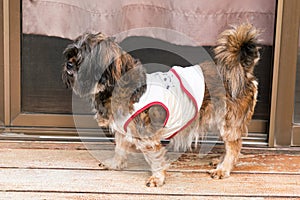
97 68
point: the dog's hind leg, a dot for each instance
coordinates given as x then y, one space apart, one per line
224 168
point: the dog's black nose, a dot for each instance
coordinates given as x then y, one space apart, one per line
69 65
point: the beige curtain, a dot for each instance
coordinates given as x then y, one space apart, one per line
188 22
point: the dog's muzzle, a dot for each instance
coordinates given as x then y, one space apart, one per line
69 72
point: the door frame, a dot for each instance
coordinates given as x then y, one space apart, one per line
283 130
2 66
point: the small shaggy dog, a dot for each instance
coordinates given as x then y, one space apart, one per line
182 104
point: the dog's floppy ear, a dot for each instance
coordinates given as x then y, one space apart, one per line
86 77
94 64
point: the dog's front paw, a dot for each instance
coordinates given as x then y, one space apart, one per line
219 173
113 164
155 181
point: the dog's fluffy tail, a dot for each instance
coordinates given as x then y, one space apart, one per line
236 54
237 45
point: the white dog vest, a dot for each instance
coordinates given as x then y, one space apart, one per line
179 91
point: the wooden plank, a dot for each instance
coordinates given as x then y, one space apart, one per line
83 159
96 196
75 145
55 145
120 182
41 158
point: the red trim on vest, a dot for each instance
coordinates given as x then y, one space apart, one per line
143 109
192 98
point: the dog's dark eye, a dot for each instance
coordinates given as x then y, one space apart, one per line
70 65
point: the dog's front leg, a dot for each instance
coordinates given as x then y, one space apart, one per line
119 160
155 156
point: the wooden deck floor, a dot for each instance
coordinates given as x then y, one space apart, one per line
57 170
